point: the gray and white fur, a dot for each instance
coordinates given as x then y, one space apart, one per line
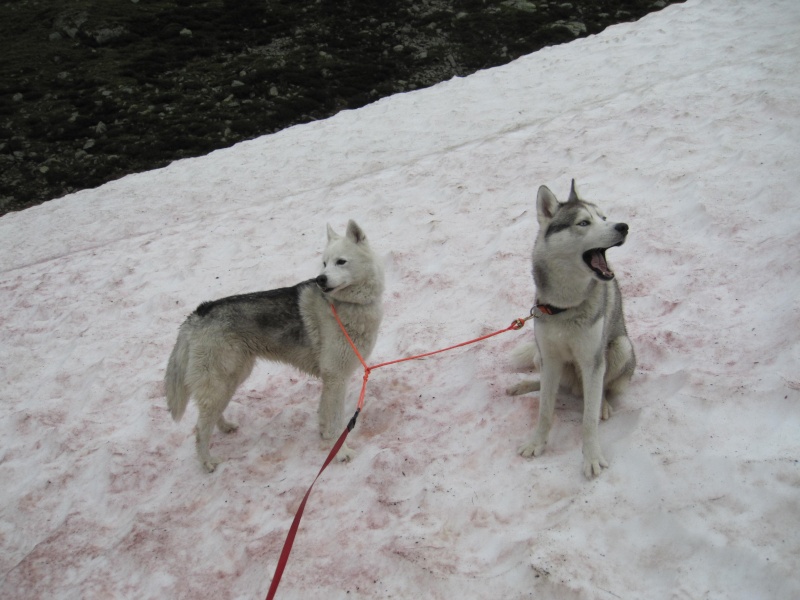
219 342
583 343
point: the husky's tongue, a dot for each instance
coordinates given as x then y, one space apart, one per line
597 261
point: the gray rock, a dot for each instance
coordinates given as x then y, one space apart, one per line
70 22
576 27
520 5
107 34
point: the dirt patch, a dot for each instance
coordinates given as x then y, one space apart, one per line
91 90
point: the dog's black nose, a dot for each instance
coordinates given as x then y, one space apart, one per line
322 281
622 228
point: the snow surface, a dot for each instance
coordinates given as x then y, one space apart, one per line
685 125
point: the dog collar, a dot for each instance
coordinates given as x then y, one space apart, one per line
546 309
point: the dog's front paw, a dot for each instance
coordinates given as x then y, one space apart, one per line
328 433
226 426
533 448
345 454
210 464
593 464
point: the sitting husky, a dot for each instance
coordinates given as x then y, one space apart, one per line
580 334
219 342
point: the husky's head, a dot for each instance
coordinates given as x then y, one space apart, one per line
576 232
350 270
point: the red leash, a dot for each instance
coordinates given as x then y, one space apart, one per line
287 545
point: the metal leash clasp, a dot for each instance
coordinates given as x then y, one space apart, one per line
518 324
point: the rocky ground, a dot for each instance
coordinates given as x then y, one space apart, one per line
91 90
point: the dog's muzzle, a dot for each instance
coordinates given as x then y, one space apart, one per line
322 282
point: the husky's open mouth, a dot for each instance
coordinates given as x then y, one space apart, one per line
596 261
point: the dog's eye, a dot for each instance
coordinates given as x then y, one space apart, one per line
584 223
324 264
341 262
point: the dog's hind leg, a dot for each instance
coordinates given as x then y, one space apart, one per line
523 387
210 403
212 398
205 425
607 410
621 363
525 357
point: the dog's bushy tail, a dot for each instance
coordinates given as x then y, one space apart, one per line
175 378
525 357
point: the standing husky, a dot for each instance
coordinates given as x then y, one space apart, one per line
581 338
219 342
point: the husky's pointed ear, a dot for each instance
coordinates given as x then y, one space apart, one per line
546 204
573 193
355 233
332 235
